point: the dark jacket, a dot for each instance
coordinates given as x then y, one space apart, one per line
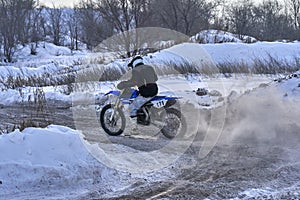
144 77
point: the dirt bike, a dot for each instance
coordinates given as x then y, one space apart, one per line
158 111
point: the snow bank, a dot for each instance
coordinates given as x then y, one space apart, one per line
52 162
229 54
49 62
246 53
43 50
289 86
62 145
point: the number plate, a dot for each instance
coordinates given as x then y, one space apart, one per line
159 104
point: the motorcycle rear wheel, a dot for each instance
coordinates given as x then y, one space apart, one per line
174 123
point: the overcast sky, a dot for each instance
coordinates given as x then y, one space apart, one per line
70 3
58 3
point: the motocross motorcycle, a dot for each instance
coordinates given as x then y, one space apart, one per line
158 111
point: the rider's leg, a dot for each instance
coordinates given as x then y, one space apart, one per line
136 104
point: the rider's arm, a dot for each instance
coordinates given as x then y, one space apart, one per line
125 84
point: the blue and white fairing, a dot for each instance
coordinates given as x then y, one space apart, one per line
134 93
157 101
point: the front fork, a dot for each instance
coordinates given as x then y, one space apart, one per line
115 107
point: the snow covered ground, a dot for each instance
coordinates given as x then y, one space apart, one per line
50 163
53 163
237 52
51 64
54 60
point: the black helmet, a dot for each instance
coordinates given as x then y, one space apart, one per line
136 60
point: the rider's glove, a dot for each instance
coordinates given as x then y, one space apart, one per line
121 85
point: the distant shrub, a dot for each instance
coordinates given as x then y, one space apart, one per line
33 112
96 70
185 67
269 65
26 123
231 68
12 81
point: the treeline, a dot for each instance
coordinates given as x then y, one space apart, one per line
91 21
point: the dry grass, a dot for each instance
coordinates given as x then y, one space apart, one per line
270 65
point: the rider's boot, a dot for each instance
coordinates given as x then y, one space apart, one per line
134 130
133 113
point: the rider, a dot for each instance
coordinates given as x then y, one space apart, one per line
144 77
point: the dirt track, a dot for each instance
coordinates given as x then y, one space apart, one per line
256 157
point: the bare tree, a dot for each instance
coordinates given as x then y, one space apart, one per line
1 44
169 13
242 17
56 23
271 10
24 10
126 15
43 22
195 15
221 18
265 21
141 10
186 16
294 5
73 28
271 21
93 27
34 29
13 16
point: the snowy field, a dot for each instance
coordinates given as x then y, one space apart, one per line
255 157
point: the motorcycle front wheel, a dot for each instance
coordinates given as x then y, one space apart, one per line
112 120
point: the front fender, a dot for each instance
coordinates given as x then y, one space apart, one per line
113 92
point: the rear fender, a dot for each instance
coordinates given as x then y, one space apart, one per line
170 103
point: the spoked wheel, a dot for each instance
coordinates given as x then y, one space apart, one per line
174 123
112 120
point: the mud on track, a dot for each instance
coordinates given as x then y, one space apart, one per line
256 157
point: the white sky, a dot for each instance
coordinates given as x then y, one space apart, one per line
58 3
70 3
